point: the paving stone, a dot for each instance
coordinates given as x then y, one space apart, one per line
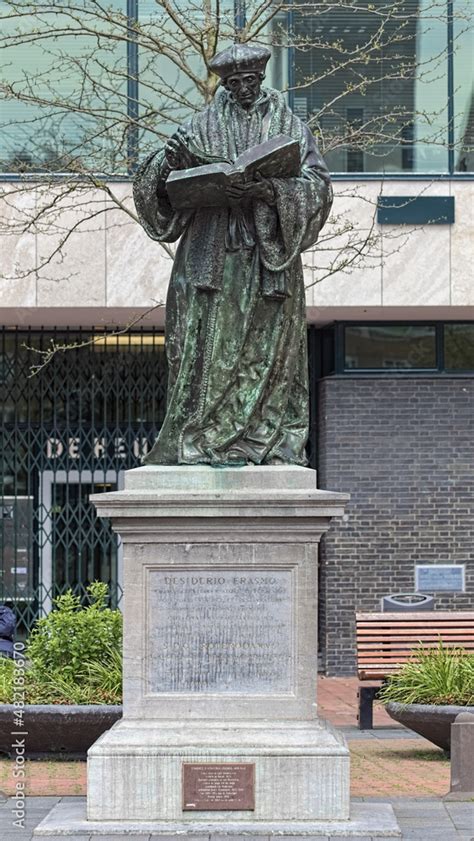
351 732
428 834
74 838
459 806
69 798
33 822
7 829
281 837
115 837
19 835
222 836
391 733
4 805
49 800
198 837
357 838
417 807
417 804
463 822
426 819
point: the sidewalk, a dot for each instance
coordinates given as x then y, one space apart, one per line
419 820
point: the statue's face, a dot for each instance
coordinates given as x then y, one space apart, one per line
244 87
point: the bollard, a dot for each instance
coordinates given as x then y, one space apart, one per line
462 758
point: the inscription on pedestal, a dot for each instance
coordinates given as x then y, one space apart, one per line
225 786
220 631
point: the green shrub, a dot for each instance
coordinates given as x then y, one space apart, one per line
433 676
6 680
72 635
74 654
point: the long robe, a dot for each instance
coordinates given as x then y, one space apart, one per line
235 310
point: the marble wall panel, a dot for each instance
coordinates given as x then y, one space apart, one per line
462 245
71 268
17 246
348 258
416 258
110 261
138 268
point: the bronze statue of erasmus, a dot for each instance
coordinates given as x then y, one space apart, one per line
235 311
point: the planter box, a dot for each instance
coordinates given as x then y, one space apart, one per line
431 721
57 730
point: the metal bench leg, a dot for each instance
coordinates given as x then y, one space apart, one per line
367 694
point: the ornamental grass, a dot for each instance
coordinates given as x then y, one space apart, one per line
441 675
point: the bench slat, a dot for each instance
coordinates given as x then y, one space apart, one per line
436 614
375 675
394 649
369 626
414 641
404 639
388 658
387 640
419 633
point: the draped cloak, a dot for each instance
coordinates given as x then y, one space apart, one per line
235 310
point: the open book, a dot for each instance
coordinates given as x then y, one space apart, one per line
205 186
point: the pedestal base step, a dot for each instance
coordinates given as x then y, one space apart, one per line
367 820
301 771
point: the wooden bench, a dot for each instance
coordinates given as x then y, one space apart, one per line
387 640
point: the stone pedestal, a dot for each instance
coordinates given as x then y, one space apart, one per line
220 731
462 758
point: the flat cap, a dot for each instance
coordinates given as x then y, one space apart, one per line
240 58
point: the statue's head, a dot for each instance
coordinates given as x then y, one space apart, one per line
242 70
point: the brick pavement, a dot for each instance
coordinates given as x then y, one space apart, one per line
403 767
337 701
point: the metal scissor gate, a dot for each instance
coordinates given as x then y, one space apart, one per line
69 431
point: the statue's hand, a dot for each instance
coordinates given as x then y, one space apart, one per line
259 190
178 154
235 195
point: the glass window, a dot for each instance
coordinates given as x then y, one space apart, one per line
390 347
64 77
374 77
167 92
168 89
463 73
459 347
370 77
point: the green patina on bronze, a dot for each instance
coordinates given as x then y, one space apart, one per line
235 311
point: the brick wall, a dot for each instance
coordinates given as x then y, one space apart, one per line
403 447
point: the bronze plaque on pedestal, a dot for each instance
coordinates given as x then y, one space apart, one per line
223 786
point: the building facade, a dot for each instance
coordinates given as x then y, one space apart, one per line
390 306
